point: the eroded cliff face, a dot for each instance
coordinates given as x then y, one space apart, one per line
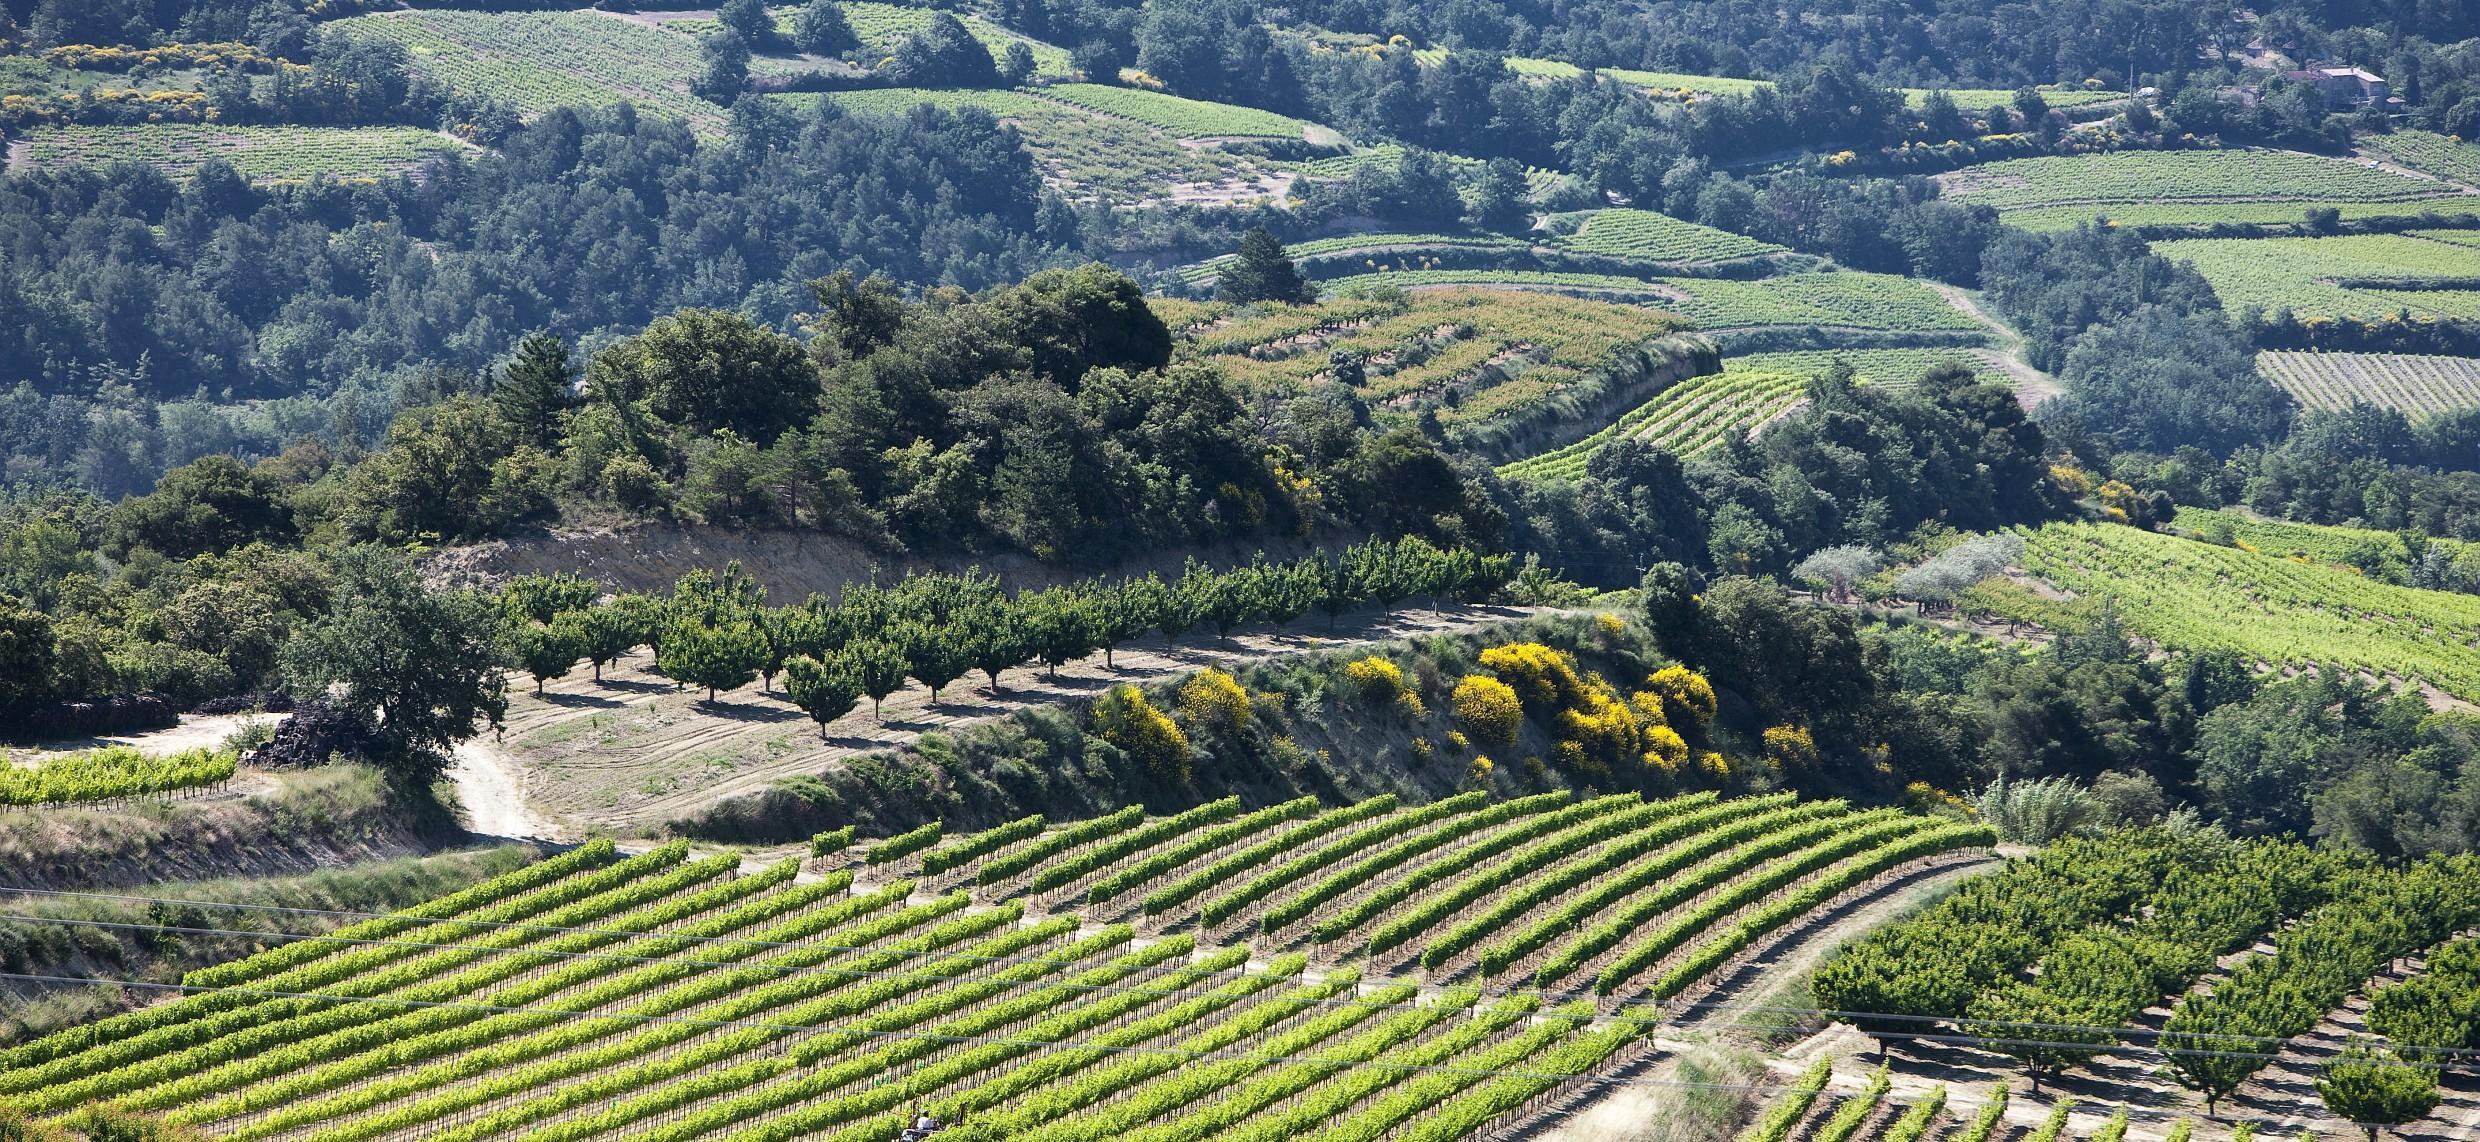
792 565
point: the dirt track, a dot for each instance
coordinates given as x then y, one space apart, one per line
631 751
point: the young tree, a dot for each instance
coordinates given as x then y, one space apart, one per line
537 389
718 656
879 666
419 666
933 654
1263 271
1184 602
2375 1089
1063 625
548 651
996 638
608 631
1123 611
825 690
821 29
724 72
541 598
790 632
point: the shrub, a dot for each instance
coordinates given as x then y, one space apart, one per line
1126 720
1790 747
1488 709
1376 678
1213 698
1686 696
1544 677
1665 749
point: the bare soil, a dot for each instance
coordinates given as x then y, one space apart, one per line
631 751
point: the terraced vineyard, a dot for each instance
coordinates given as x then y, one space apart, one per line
2332 546
535 61
1544 280
2103 183
882 27
1843 299
1083 152
1680 85
1366 251
2459 211
1885 368
2358 275
1188 118
1499 351
1687 418
2193 595
2429 153
1660 238
1834 299
660 997
260 154
2413 384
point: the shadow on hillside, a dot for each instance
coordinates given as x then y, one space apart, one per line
581 701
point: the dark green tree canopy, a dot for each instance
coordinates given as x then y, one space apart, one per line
1263 271
212 504
711 369
821 29
945 54
423 667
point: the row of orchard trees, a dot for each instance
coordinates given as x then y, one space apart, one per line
717 631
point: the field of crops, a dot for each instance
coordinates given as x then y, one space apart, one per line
2444 211
2192 595
534 61
261 154
109 773
1660 238
2413 384
1080 152
1885 368
2429 153
2190 177
1684 86
1686 418
1836 299
882 26
2332 546
1366 251
660 997
1186 118
1973 99
2044 957
1493 350
1544 280
2357 275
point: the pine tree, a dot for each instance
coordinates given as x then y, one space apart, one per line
535 391
1263 271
